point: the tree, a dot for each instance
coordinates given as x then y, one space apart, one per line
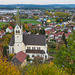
48 13
65 57
6 39
64 39
36 17
46 69
12 24
6 68
73 18
42 32
5 51
25 27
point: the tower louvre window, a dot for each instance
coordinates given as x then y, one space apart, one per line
18 31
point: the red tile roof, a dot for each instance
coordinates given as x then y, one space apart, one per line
1 32
21 56
10 28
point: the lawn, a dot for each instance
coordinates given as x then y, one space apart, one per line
53 20
30 21
1 23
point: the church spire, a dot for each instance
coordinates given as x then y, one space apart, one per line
18 21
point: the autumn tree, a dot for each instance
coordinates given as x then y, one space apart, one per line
46 69
48 13
6 38
25 26
36 17
7 68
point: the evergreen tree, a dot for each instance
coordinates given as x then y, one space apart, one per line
64 39
42 32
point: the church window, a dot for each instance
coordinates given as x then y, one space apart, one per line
17 36
17 44
45 56
32 55
28 48
33 48
12 50
37 55
38 48
18 31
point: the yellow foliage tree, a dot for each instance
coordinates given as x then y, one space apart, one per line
3 26
26 26
7 69
46 69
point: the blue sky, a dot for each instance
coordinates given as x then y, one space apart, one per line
37 1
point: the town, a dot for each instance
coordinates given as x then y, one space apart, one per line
33 37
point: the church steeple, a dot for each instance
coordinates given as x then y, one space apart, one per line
18 21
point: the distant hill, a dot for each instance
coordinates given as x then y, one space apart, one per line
31 6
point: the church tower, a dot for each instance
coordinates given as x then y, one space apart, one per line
18 34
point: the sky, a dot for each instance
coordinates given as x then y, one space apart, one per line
41 2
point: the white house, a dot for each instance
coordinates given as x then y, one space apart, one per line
33 45
2 33
9 29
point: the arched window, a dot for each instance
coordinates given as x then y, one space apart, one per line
32 55
12 50
18 31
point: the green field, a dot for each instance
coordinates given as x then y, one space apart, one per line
30 21
53 20
1 23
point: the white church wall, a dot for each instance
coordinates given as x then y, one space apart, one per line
41 47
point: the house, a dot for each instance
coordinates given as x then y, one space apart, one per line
32 45
51 25
51 36
19 59
2 33
9 29
69 29
60 34
56 36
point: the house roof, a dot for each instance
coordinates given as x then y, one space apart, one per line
19 58
34 39
15 61
31 40
11 43
10 28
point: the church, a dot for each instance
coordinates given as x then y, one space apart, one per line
33 45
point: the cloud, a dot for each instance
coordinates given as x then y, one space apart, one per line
37 1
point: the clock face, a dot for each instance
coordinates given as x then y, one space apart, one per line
17 27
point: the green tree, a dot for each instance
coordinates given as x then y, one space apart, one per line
46 69
5 51
65 57
42 32
64 39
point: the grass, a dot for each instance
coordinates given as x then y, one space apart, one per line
1 23
34 22
53 20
